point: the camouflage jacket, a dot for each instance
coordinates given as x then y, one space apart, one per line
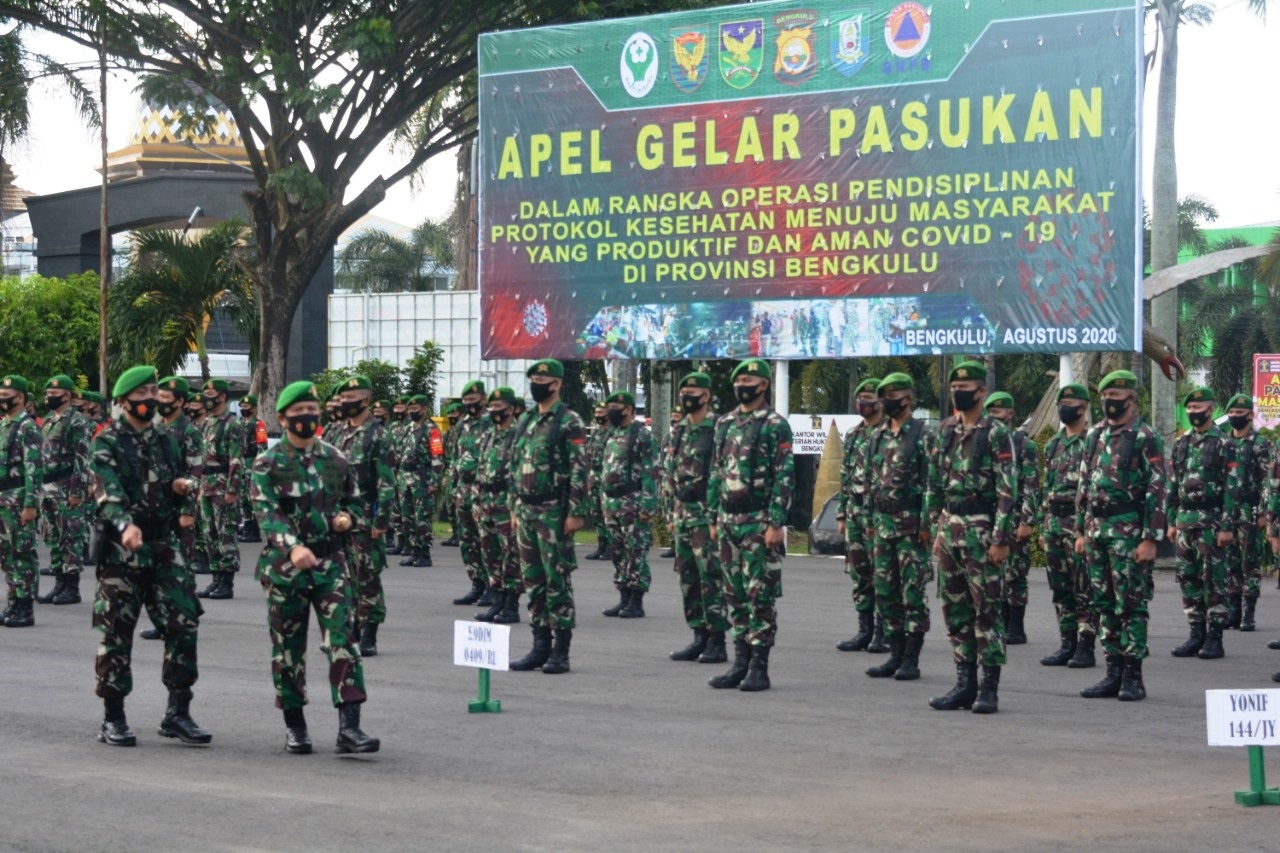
595 458
415 461
295 496
972 477
191 442
470 432
687 469
22 477
367 448
1122 483
897 477
66 453
1026 457
544 474
753 474
629 477
133 474
851 503
451 452
1253 456
493 477
250 431
1056 511
1203 481
224 453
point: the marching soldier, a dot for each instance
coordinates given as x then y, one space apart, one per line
595 456
220 490
199 416
471 428
1026 460
1253 455
630 498
491 508
752 480
21 479
66 484
853 518
255 441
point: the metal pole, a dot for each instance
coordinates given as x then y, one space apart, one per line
1064 370
104 233
781 388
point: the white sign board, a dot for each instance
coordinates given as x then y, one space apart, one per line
1243 717
481 645
809 432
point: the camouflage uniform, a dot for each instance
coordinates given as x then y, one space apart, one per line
688 472
630 500
191 441
471 429
255 441
1254 455
1018 566
223 449
366 447
66 475
1056 519
492 503
418 472
851 508
594 506
1202 488
448 479
897 474
20 482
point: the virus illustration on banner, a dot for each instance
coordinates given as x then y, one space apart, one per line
535 319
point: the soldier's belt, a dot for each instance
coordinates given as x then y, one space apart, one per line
744 505
153 529
622 491
1112 510
493 488
59 474
1062 508
214 470
1198 506
857 498
971 506
896 507
693 495
539 498
468 477
323 549
7 483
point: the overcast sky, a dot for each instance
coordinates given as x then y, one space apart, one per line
1228 143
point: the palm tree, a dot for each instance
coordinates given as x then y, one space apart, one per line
376 261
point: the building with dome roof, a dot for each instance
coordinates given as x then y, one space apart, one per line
17 244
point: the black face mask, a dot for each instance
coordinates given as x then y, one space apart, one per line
540 392
303 426
143 410
964 400
7 405
210 402
892 408
397 416
1198 419
416 416
615 415
353 409
1070 414
246 413
166 409
52 404
692 404
1240 421
500 416
474 408
867 408
748 393
1115 409
602 419
195 412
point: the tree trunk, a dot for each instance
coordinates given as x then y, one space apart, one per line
1164 209
993 379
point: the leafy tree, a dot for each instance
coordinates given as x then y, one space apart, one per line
386 378
20 68
421 371
49 326
376 261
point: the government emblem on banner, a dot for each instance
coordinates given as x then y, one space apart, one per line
906 30
741 52
797 59
689 58
850 43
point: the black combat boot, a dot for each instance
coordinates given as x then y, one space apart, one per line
115 731
451 542
738 671
1064 653
668 553
1015 632
477 590
988 701
152 633
177 720
59 582
715 651
757 671
860 640
224 590
1212 648
251 532
1131 687
1233 612
424 558
350 737
9 605
897 647
1274 644
201 566
538 655
510 614
410 558
393 544
1193 643
486 598
910 668
213 585
878 646
48 572
962 695
623 602
558 662
1246 620
70 593
369 640
497 604
694 649
23 614
296 739
1109 686
635 606
1083 658
597 554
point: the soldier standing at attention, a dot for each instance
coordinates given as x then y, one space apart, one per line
666 502
420 473
853 517
972 506
1203 484
397 418
492 509
688 472
549 467
307 501
752 480
1120 516
1026 460
66 484
1253 457
255 441
452 412
897 475
140 492
595 456
1056 517
21 479
630 500
220 490
471 428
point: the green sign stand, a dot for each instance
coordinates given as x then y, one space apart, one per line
1258 794
482 704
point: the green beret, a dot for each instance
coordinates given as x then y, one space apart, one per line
178 386
302 391
696 380
420 400
626 398
219 385
967 370
475 386
1240 401
1199 395
599 405
92 397
871 383
62 382
546 367
354 383
1074 391
402 400
502 395
449 408
132 379
1000 400
15 382
894 382
249 400
381 404
1122 379
753 367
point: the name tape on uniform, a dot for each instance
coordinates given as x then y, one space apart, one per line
481 645
1243 717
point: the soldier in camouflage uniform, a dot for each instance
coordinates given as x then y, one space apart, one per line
255 441
853 518
630 500
1253 456
1202 489
382 411
595 456
549 468
307 501
749 495
491 508
972 506
471 428
220 490
397 418
199 416
420 472
1056 518
140 494
1026 457
66 485
896 476
21 479
452 412
687 468
1120 516
666 501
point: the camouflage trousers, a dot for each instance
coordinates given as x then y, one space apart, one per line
595 513
366 558
972 592
498 551
395 513
168 592
902 575
701 581
547 562
218 523
858 566
1069 583
1122 587
68 532
1244 561
1202 575
416 507
323 589
468 537
18 553
752 580
629 539
1016 568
